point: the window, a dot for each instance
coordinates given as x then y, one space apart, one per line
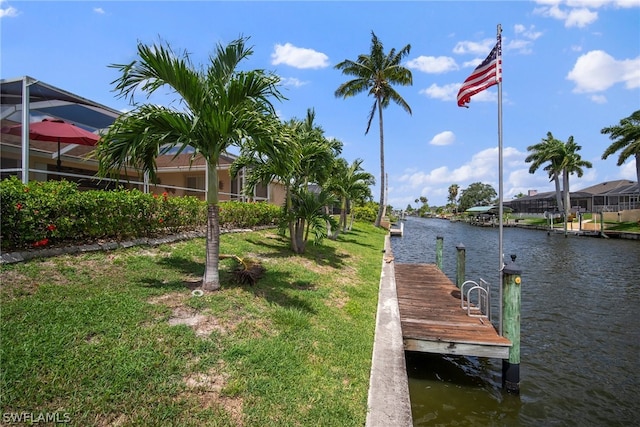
196 182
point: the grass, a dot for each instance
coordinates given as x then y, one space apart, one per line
115 338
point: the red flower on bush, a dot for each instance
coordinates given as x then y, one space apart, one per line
51 227
43 242
155 196
19 206
161 220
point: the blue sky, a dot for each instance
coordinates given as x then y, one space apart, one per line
569 67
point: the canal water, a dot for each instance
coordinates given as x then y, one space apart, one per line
580 331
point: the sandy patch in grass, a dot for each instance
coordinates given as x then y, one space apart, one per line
202 323
15 284
208 389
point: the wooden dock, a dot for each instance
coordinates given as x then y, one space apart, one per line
433 320
397 230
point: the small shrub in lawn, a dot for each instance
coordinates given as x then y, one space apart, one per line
367 213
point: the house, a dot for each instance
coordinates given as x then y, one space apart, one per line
26 98
609 196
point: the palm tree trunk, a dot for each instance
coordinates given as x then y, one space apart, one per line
343 214
567 198
382 209
638 169
556 181
211 279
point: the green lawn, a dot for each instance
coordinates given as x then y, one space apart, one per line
115 338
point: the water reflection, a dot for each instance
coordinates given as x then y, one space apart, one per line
580 350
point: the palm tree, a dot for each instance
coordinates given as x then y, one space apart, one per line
571 162
298 157
549 151
626 137
375 73
349 183
453 194
220 107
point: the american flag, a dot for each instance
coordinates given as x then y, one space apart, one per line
484 76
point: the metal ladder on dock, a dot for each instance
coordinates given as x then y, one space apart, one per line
478 292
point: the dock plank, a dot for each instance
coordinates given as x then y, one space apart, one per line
433 320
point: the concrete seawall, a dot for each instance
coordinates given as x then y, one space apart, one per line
388 402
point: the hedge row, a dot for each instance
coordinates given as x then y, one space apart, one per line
43 213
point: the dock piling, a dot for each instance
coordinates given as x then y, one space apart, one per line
460 265
439 244
511 301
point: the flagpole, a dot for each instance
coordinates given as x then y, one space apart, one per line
500 187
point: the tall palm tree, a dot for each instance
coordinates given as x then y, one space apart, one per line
549 151
571 162
626 139
376 73
220 107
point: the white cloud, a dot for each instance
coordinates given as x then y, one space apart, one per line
432 64
8 11
521 46
292 81
599 99
482 167
444 93
580 18
298 57
597 71
628 170
579 13
99 10
476 48
443 138
528 33
600 3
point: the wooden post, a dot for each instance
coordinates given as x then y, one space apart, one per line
511 325
460 265
439 241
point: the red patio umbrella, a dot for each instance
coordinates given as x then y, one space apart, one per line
55 130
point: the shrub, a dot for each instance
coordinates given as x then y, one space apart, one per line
235 214
367 213
39 213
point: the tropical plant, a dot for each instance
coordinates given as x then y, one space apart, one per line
422 210
220 107
549 151
626 139
571 162
376 73
453 194
298 158
307 214
349 183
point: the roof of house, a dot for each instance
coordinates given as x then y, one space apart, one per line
620 186
49 100
488 209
